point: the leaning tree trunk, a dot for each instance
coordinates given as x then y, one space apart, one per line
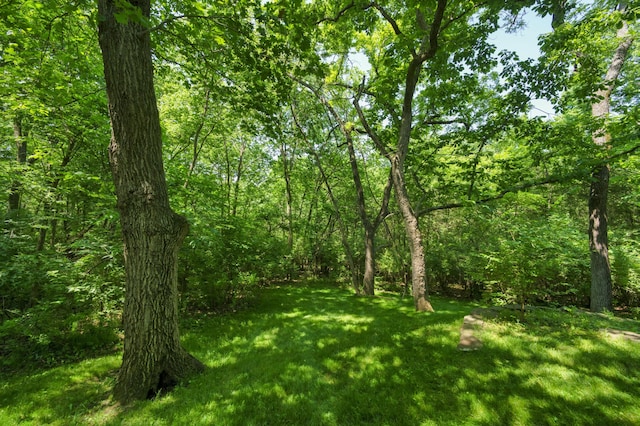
601 283
153 357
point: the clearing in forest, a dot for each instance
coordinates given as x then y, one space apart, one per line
311 353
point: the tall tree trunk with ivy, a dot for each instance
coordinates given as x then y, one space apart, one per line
153 356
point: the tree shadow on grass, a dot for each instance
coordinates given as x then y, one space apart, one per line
318 355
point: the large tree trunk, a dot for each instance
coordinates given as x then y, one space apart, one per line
419 287
153 357
601 283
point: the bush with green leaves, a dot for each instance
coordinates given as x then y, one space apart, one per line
222 262
533 255
57 306
625 264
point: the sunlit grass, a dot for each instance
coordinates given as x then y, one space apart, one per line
316 355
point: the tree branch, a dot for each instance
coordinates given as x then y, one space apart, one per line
365 123
387 17
363 90
501 194
436 26
340 13
579 174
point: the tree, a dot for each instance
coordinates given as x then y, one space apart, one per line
152 232
592 88
601 285
427 49
21 157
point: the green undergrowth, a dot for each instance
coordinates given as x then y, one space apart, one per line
313 354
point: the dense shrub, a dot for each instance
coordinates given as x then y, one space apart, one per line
221 264
57 306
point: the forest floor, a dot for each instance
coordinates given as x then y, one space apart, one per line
311 353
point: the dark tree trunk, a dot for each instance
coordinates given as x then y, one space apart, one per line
286 169
601 285
153 356
236 184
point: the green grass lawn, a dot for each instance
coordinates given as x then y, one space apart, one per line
313 354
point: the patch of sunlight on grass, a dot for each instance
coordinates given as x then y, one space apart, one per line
553 380
267 339
563 354
371 360
479 411
520 409
290 315
568 385
52 396
349 319
326 342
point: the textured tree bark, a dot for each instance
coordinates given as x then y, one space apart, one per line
153 356
601 283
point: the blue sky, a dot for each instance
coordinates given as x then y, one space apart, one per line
525 43
525 40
